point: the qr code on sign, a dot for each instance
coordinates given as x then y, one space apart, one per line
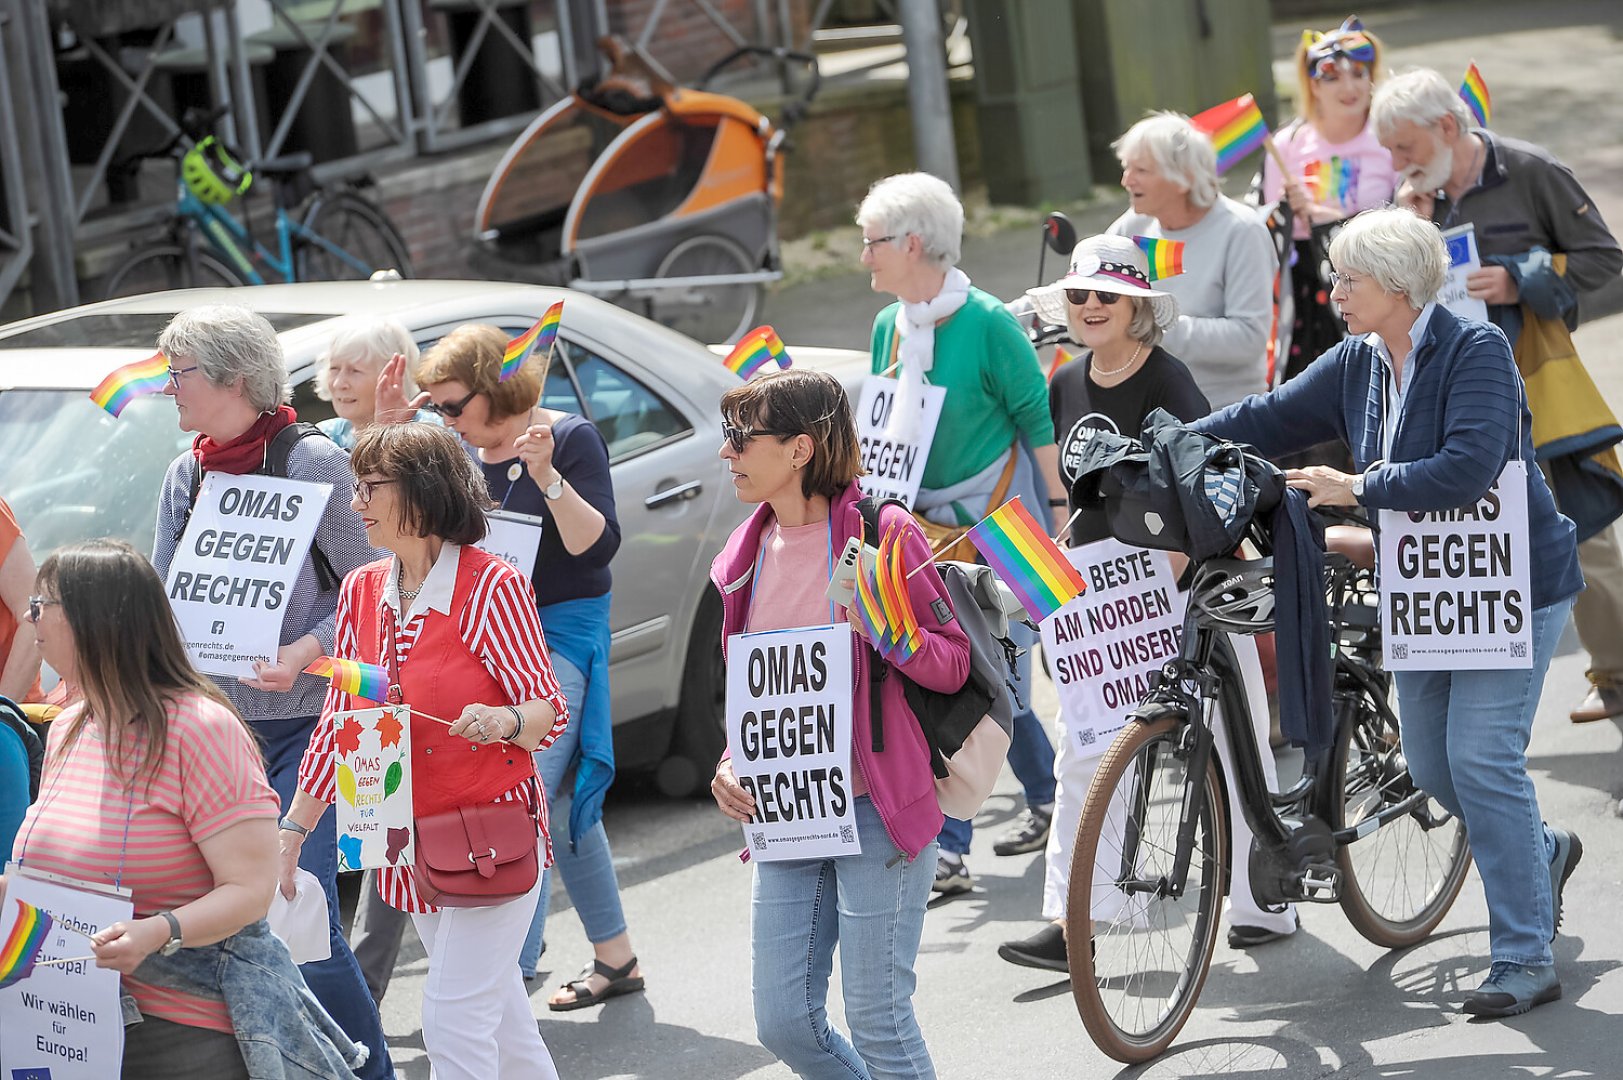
1518 649
1400 651
758 841
847 834
1086 737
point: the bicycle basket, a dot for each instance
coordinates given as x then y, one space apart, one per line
212 174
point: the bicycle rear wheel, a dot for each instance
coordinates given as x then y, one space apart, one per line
1400 880
709 314
353 239
1138 956
167 266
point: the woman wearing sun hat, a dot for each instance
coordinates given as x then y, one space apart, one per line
1110 302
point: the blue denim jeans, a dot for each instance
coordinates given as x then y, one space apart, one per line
872 906
588 871
1031 753
1465 736
336 981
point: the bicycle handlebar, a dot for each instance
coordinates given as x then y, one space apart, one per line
195 125
793 110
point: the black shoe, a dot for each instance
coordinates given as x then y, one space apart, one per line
1029 832
1246 937
1045 949
1568 850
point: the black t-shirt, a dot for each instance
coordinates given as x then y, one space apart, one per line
1075 400
582 458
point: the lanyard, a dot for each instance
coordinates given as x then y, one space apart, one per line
760 565
45 800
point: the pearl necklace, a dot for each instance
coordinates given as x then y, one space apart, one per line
1131 360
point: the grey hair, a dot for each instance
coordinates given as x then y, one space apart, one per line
1181 151
376 340
1420 97
227 343
1141 327
1401 251
921 205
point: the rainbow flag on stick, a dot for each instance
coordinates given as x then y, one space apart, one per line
27 937
1019 551
369 681
540 336
1165 256
1474 92
755 350
1236 128
905 635
869 609
123 385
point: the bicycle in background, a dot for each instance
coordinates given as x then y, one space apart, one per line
321 233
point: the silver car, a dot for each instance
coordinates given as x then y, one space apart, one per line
71 472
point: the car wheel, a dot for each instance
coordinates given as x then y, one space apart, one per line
701 734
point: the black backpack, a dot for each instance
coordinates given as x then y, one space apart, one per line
12 717
276 455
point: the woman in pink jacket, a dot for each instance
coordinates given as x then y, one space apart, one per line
791 447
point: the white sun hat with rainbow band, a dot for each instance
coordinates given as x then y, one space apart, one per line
1126 265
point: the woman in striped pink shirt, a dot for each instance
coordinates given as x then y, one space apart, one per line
459 631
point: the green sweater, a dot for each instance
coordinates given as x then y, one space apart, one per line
995 387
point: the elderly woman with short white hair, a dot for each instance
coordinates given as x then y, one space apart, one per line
1431 407
367 372
1225 294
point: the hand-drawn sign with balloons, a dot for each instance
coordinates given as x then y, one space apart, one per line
374 788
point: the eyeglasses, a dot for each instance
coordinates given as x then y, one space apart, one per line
363 489
37 606
176 373
1343 281
1080 296
738 438
867 243
450 409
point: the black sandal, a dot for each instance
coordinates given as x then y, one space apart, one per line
621 981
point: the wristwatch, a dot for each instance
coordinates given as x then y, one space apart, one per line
287 824
172 946
554 490
1358 487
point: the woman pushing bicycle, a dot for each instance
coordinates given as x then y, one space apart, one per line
1432 410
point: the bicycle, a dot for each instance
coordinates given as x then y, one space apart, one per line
1354 829
321 234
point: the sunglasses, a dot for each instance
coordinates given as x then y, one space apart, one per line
37 606
738 438
450 409
363 489
1080 296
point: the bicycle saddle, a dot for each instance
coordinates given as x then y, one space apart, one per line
286 165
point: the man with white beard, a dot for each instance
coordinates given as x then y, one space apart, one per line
1542 243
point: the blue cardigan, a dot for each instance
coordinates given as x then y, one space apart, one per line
1463 408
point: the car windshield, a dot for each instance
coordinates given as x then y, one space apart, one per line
71 472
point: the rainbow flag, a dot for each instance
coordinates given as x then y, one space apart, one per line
893 577
1236 127
369 681
123 385
27 937
865 602
1020 552
1061 358
1474 92
540 336
1165 256
754 350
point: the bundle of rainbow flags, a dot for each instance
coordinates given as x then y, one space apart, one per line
538 337
883 605
1020 552
363 680
755 350
21 950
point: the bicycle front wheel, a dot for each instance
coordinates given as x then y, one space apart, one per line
347 238
708 313
1399 880
167 266
1139 955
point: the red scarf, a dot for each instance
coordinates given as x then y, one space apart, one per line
246 452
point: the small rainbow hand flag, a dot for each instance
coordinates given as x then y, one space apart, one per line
1474 92
27 937
754 350
369 681
1019 551
540 336
123 385
1165 256
1236 128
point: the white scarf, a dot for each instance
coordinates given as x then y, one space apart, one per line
915 326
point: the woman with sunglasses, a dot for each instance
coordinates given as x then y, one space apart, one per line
553 468
791 447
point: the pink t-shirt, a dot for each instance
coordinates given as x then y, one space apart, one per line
210 779
1350 176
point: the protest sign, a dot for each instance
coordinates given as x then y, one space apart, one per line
1455 589
789 730
895 468
236 565
374 787
64 1020
1463 261
1103 646
514 538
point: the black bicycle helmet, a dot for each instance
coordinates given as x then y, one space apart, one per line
1235 595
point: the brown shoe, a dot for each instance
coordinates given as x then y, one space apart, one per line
1603 703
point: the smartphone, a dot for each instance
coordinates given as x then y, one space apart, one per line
844 579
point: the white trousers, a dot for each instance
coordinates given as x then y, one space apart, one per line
477 1023
1074 774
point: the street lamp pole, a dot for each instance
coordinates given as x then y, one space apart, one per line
928 99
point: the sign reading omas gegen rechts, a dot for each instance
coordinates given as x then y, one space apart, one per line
894 467
236 565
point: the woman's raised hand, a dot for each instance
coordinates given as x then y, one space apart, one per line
391 406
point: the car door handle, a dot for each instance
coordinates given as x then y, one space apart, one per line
677 493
